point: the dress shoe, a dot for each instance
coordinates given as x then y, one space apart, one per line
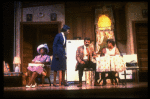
34 85
103 84
96 84
79 85
28 86
55 85
64 83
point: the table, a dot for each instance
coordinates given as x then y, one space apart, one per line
110 63
132 68
12 79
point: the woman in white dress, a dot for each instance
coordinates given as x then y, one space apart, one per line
111 50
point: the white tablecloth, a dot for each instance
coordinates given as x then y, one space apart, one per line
34 64
110 63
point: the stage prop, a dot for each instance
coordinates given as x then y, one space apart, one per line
17 62
34 64
131 67
71 48
12 79
104 26
110 63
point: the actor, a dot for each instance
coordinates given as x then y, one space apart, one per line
43 58
59 54
84 55
111 50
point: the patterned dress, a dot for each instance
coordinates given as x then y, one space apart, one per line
39 58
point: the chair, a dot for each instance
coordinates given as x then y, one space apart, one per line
48 69
110 77
88 69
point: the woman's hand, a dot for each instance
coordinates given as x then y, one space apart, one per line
38 62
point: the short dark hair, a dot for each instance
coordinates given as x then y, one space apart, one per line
87 38
111 41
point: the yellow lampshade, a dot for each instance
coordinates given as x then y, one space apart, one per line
17 60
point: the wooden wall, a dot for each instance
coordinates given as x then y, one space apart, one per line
81 22
120 29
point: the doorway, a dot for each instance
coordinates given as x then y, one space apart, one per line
140 32
34 34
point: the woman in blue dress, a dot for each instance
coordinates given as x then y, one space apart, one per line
59 54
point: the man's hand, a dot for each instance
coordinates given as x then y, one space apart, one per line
82 62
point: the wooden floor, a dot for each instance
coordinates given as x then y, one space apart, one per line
131 89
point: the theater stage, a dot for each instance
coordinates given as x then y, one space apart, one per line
130 90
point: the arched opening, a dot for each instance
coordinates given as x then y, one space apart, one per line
104 23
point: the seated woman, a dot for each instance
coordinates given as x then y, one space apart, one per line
43 58
111 50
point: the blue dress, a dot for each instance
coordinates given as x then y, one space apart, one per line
59 63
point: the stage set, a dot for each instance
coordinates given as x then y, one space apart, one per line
130 90
101 21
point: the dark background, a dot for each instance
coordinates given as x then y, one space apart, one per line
8 32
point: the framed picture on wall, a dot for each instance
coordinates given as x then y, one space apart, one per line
29 17
145 13
53 16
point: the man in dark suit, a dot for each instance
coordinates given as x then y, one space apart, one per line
84 54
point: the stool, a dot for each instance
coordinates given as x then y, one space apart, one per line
88 69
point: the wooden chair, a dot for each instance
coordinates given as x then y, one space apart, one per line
110 77
48 69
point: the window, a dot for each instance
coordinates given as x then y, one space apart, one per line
104 23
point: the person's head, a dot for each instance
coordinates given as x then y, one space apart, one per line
110 43
43 51
87 41
65 29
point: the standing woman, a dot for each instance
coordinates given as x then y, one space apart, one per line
59 54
